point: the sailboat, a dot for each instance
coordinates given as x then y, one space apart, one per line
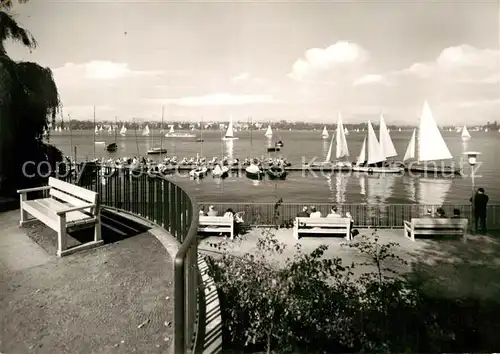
96 130
146 131
157 150
431 147
172 134
465 134
325 134
110 130
385 140
342 151
123 130
372 156
269 132
346 132
230 131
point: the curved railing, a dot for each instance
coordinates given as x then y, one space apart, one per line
168 205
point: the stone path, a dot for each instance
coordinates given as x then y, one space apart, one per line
114 299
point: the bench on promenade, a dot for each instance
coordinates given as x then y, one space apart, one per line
67 207
435 227
331 226
221 224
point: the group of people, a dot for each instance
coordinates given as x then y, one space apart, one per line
479 203
238 220
312 212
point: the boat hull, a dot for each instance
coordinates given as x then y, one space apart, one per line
252 175
156 151
377 169
180 136
277 175
439 170
112 147
230 138
273 149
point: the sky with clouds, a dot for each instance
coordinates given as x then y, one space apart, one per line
270 60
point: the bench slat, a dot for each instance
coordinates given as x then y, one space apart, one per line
437 226
75 191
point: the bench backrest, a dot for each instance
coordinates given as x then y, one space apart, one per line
438 223
344 222
72 194
215 220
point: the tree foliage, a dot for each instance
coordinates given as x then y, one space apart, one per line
313 303
29 102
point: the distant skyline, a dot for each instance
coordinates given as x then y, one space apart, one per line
270 60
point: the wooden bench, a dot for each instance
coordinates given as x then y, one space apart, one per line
68 206
435 227
216 224
333 226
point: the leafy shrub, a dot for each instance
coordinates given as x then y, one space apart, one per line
315 304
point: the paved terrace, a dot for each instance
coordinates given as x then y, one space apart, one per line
450 266
113 299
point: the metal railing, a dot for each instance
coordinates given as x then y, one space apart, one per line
168 205
364 215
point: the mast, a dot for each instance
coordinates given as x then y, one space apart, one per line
70 137
94 134
251 129
116 126
161 129
201 137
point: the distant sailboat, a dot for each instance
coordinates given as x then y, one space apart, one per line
172 134
230 131
146 131
346 132
101 128
123 130
486 130
159 149
269 132
372 155
431 147
325 134
465 134
96 130
110 130
341 148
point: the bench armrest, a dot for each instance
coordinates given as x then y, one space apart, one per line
69 210
27 190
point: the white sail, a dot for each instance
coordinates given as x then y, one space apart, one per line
342 149
433 191
431 145
110 130
269 132
362 154
230 129
325 134
96 130
101 128
386 144
171 131
346 132
123 131
329 154
146 132
410 150
465 133
362 184
375 154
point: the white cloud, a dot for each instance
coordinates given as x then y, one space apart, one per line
371 79
219 99
463 63
320 61
241 77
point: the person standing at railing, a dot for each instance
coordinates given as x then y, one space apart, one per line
480 204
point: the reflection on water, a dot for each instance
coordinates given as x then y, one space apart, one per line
269 141
341 182
326 145
380 188
362 184
433 191
229 147
410 188
255 182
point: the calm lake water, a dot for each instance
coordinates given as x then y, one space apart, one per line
306 188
